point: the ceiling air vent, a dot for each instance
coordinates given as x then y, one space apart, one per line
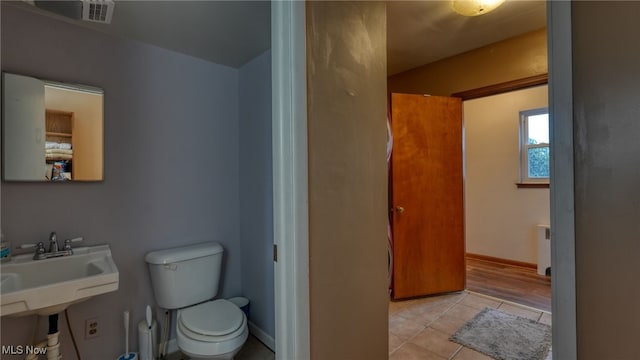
97 10
88 10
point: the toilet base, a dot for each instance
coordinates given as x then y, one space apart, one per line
227 356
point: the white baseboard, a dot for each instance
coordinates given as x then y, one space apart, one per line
172 345
262 336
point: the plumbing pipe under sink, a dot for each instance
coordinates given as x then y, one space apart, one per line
51 346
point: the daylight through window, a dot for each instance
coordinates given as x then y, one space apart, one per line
534 146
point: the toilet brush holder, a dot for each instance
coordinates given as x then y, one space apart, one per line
144 338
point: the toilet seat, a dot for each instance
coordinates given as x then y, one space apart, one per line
212 318
212 321
211 350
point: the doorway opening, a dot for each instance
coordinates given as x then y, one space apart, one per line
507 216
293 310
424 324
481 268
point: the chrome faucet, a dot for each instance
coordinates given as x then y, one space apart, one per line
54 250
53 243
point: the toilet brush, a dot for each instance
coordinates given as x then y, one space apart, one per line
127 355
150 342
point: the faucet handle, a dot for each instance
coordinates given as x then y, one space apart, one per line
67 243
38 246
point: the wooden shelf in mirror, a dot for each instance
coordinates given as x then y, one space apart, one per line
59 128
50 133
69 117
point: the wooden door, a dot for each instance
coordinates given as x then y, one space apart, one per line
427 195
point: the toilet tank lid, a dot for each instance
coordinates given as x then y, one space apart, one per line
183 253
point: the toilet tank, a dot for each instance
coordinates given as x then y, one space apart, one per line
184 276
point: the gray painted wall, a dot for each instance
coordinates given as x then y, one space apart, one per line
607 196
171 166
256 189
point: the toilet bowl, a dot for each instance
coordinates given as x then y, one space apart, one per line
212 330
186 279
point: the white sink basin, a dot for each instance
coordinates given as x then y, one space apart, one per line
49 286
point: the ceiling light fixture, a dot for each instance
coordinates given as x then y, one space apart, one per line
474 7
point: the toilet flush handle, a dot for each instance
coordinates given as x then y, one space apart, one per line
172 267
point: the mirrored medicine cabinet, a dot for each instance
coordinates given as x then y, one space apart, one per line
51 132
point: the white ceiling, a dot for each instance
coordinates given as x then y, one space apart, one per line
233 32
421 32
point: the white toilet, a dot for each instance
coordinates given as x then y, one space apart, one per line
186 278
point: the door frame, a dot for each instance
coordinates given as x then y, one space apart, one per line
288 30
290 190
563 251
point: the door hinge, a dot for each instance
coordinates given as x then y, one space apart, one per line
275 253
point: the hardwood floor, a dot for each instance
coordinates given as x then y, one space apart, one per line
513 283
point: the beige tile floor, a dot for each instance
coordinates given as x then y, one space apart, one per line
253 349
420 328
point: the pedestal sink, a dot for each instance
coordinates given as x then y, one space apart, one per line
49 286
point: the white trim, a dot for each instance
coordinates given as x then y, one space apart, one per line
524 146
290 204
262 335
563 255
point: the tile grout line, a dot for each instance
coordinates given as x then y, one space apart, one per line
458 303
451 305
456 352
507 302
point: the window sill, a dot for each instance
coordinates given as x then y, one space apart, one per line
539 185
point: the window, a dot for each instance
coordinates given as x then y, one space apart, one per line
534 146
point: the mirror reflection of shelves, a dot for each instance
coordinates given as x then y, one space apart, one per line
30 120
59 144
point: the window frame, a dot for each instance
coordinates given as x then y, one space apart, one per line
524 147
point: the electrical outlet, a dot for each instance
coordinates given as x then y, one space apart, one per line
91 328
